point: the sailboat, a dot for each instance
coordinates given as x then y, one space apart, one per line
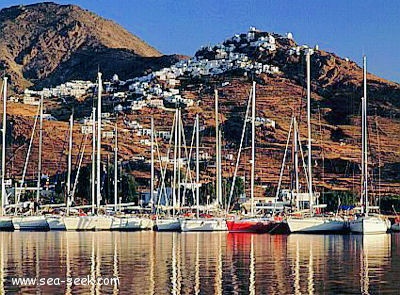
366 223
92 222
212 223
56 222
5 221
125 222
250 224
312 223
34 222
168 223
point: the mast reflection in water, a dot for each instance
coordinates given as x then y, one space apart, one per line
201 263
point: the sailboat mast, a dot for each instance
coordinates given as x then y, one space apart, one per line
197 167
310 188
116 168
3 148
220 168
179 156
217 153
253 145
363 176
93 157
40 149
98 189
152 163
71 123
365 136
296 160
175 151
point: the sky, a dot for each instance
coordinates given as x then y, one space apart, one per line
349 28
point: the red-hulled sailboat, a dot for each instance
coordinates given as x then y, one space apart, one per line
250 224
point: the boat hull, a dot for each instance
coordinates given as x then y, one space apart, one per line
80 223
316 225
6 223
132 223
104 222
368 225
250 225
119 223
395 227
55 222
146 223
203 224
168 224
31 223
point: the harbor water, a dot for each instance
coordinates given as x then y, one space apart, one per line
150 262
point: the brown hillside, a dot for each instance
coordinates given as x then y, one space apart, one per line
46 44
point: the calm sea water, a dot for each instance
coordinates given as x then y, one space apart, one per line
201 263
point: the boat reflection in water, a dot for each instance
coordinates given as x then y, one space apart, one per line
200 262
340 264
374 253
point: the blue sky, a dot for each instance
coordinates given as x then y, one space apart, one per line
349 28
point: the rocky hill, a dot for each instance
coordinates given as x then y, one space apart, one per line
46 44
336 92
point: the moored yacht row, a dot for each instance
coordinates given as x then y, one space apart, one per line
371 224
78 223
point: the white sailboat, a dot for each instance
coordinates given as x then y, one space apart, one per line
312 223
34 222
92 222
56 222
366 223
5 221
123 222
214 223
169 223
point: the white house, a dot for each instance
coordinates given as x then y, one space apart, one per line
107 134
30 100
156 103
86 129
